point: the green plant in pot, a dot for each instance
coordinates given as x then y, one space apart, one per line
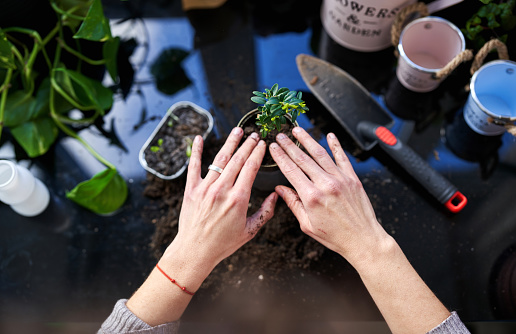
35 102
277 112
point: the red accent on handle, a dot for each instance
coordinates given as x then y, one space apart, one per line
385 135
457 202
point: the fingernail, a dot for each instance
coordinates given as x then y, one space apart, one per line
236 131
254 135
261 143
273 146
279 191
331 135
281 136
197 139
296 130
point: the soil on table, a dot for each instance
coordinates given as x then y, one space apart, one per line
176 135
279 247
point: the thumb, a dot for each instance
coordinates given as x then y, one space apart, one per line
294 203
263 215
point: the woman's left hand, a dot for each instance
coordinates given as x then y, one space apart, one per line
213 222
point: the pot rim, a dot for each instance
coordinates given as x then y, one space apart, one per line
249 114
175 106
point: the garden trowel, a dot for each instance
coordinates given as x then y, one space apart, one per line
367 123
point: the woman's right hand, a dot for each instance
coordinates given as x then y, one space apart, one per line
329 201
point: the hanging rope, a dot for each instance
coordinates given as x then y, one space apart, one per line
488 47
462 57
401 17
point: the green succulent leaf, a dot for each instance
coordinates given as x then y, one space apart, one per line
104 193
258 99
36 136
274 89
277 102
294 117
6 53
273 100
95 26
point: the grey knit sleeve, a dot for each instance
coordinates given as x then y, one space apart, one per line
122 320
452 325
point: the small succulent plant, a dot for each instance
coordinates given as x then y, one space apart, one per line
276 103
157 148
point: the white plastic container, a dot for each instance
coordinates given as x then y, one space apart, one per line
171 110
26 195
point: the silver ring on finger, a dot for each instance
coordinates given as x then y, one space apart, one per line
216 169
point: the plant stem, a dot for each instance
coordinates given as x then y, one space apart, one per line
56 117
4 89
74 135
80 55
68 13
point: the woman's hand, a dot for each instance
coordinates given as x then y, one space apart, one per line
213 223
329 201
333 208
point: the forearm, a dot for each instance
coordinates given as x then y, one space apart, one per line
405 301
160 301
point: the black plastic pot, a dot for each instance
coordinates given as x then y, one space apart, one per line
269 176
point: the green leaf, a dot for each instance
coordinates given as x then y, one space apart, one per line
258 99
95 26
290 95
89 94
277 122
103 193
110 52
6 53
18 108
274 89
36 136
273 100
257 93
299 95
294 117
282 90
277 112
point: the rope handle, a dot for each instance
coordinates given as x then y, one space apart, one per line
462 57
486 48
401 17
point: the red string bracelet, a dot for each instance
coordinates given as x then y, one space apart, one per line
174 281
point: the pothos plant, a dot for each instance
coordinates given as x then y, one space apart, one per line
495 18
276 103
35 104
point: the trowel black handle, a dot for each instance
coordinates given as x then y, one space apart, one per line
445 192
